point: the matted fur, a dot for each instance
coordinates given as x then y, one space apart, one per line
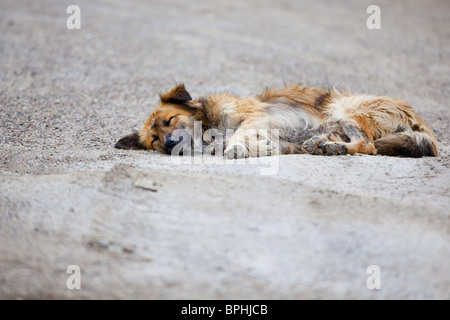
308 119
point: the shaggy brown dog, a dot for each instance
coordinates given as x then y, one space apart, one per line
307 119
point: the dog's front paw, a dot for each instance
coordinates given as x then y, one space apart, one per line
236 151
314 145
320 146
335 148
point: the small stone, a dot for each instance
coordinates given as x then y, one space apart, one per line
145 184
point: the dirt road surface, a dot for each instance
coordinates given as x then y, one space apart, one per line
141 225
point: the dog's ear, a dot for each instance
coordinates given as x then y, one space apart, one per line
130 141
177 95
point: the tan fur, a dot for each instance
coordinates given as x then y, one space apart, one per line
153 130
309 120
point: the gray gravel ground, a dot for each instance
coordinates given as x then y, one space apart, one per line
139 225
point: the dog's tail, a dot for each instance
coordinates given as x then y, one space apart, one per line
408 143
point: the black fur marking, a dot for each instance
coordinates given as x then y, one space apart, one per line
319 100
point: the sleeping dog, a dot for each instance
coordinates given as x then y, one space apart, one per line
307 119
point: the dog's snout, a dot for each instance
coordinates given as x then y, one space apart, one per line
171 142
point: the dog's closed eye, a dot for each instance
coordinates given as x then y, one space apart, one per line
167 122
155 138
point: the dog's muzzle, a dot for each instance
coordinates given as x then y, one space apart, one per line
171 142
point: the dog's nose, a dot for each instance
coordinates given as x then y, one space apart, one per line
171 142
